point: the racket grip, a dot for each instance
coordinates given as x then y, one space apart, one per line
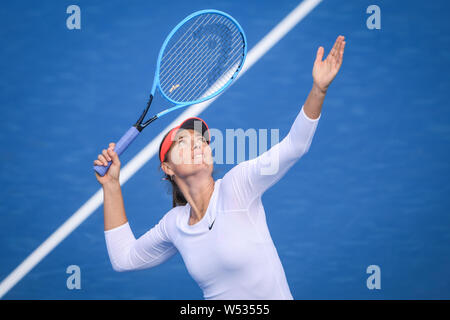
120 147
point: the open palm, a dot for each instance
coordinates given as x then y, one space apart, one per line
325 71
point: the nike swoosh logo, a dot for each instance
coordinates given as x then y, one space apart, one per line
210 227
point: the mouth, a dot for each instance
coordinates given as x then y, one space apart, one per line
198 156
197 153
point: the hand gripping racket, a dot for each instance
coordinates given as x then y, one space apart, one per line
198 60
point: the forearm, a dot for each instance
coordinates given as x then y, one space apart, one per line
314 102
127 253
114 210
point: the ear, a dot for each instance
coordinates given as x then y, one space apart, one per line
165 166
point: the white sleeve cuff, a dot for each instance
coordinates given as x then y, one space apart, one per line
126 225
308 118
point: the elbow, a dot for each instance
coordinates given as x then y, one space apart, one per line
300 150
117 268
120 268
119 255
306 149
303 147
120 261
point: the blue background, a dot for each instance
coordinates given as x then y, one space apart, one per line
372 189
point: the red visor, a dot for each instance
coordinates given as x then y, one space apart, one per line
186 124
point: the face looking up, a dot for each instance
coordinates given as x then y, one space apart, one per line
189 154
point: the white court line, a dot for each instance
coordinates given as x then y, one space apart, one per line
275 35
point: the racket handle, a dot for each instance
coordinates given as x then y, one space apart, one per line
121 146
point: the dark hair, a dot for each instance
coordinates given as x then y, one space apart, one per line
178 198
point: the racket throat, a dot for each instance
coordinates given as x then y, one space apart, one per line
139 125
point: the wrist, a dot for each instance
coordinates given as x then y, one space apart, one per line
318 89
111 185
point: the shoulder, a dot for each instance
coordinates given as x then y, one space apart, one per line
236 174
236 189
168 222
171 216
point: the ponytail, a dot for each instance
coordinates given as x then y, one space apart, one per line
177 196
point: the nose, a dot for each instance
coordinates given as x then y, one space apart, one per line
197 147
197 144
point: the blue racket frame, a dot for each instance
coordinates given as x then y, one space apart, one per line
134 131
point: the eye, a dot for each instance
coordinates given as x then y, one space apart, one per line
181 141
201 138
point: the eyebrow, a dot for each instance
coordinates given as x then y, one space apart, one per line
184 135
180 137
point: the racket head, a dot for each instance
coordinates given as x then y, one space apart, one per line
200 57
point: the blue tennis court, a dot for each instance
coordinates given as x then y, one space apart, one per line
372 190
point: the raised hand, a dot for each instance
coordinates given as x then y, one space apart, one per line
112 176
325 71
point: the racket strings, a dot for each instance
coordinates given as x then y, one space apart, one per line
201 57
174 48
198 66
195 57
196 71
172 57
216 82
182 64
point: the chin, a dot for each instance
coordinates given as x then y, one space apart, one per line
204 161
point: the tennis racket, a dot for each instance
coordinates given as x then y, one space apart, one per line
198 60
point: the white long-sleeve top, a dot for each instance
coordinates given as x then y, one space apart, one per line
236 257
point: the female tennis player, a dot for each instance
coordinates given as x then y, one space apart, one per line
219 227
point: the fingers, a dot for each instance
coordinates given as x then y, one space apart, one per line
335 46
332 53
335 51
339 50
102 159
107 155
341 53
319 55
113 156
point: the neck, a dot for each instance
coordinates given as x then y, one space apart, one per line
197 191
